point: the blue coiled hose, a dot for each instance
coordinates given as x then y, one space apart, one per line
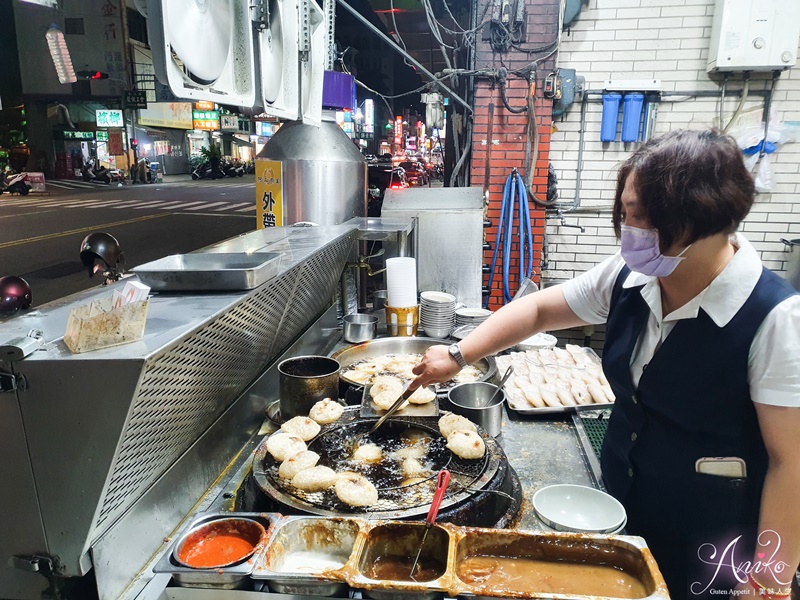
514 197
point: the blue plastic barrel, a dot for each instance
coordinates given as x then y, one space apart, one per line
631 116
608 126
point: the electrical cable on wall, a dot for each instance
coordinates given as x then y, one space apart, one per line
503 77
514 196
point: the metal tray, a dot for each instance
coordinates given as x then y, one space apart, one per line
552 410
209 271
328 538
227 578
368 408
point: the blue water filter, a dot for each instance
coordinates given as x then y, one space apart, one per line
608 126
631 116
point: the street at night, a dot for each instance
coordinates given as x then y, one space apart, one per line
40 234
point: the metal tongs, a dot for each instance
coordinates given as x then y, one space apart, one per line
393 409
442 481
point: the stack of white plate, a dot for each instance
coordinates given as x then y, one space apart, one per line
471 316
437 313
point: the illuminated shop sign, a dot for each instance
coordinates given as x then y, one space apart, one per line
207 120
109 118
79 135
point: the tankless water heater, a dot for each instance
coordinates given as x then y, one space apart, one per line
754 35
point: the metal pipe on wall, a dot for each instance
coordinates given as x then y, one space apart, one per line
576 201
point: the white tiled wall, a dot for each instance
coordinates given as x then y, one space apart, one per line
666 40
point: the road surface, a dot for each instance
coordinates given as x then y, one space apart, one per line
40 235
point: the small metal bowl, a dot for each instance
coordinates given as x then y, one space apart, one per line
246 529
359 328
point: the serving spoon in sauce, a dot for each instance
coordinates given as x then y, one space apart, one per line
442 481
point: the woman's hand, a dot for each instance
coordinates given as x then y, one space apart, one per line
437 366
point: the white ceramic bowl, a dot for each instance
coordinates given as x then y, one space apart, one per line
567 507
438 298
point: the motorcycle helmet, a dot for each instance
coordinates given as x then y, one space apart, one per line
15 294
102 247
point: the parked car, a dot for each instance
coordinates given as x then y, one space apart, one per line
415 172
380 178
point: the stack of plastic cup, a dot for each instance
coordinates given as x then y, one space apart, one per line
401 282
402 310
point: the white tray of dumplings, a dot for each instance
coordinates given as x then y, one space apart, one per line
555 380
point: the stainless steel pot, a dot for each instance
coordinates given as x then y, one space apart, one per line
304 381
400 345
470 400
359 328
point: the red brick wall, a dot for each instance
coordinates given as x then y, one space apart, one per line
508 133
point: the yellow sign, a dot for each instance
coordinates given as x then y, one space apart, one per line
269 193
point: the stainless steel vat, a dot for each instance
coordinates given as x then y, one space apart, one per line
324 174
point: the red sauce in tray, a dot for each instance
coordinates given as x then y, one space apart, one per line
220 543
216 551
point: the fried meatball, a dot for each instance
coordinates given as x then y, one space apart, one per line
299 462
422 395
326 411
282 445
315 479
466 444
303 427
368 453
356 490
450 422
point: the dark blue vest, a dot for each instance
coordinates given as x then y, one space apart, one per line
693 401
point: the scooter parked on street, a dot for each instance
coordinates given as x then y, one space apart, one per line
206 171
15 183
233 169
91 173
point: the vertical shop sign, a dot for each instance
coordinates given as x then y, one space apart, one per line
115 146
269 193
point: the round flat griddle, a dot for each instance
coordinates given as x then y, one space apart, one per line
396 498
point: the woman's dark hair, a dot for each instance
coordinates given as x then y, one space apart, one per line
690 185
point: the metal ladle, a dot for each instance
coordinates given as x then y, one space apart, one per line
509 373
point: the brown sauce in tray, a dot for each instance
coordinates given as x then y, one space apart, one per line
398 568
526 575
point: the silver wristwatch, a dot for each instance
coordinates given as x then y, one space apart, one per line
455 352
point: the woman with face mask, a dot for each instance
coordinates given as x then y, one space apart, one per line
701 350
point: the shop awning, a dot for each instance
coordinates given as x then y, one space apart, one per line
235 139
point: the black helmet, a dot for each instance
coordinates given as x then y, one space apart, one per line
15 294
102 246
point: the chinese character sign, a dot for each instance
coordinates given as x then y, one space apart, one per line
109 118
269 193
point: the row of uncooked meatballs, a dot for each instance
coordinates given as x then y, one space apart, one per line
299 465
